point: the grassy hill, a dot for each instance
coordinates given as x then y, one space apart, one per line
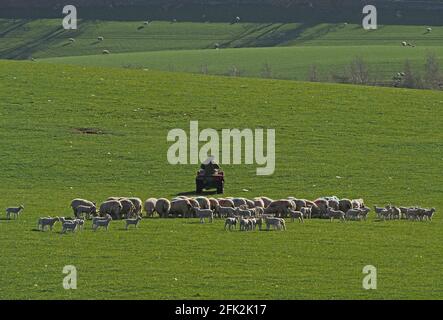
382 144
22 39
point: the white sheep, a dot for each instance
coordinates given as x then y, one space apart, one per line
224 211
96 223
71 40
296 215
307 212
14 211
231 223
68 225
47 222
204 213
100 38
336 214
133 221
276 223
88 210
106 51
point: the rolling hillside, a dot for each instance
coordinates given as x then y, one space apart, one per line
377 143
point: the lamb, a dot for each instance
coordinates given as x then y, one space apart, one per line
15 211
378 211
364 212
244 224
150 206
80 223
336 214
89 211
244 212
204 213
133 221
429 213
68 225
353 214
225 211
357 203
259 211
47 222
276 223
231 223
296 215
239 202
101 223
307 212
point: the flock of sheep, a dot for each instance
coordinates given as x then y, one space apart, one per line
248 214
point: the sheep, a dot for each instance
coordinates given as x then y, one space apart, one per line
299 204
322 204
226 203
15 211
163 206
128 208
244 212
393 212
244 224
47 222
239 202
150 206
213 203
231 223
101 223
106 51
68 225
364 212
204 213
344 205
111 207
80 223
404 43
296 215
181 207
336 214
378 211
334 204
224 211
429 214
250 204
100 38
276 223
307 212
194 203
71 40
357 203
81 202
279 207
258 202
353 214
89 211
266 201
428 30
203 202
259 211
146 22
133 221
137 202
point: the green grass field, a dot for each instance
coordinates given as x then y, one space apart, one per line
385 144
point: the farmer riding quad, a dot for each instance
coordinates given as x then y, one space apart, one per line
210 176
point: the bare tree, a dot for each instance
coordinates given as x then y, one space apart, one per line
358 71
313 73
266 71
432 77
410 78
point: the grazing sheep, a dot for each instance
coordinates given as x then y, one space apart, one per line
71 40
100 38
378 211
276 223
244 224
357 203
88 211
223 212
231 223
181 207
244 212
259 211
315 211
163 206
47 222
15 211
111 207
296 215
80 223
128 208
81 202
226 203
133 221
104 223
404 43
204 213
267 201
137 202
322 204
307 212
428 30
338 214
258 202
344 205
106 51
203 202
150 206
299 204
213 203
239 202
279 207
250 204
334 204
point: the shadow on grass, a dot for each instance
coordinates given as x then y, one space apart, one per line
193 193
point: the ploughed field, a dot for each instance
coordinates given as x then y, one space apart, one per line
91 132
